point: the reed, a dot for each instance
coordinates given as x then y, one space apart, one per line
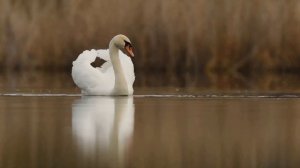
169 35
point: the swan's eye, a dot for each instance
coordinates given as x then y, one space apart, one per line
127 44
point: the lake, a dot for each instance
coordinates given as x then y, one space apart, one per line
189 121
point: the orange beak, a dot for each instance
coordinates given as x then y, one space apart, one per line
129 51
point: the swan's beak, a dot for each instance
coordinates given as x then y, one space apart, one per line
128 50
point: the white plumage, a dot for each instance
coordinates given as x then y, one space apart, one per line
114 77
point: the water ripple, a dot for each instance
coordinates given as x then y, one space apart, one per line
221 96
39 95
277 95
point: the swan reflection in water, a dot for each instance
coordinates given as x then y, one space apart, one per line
103 126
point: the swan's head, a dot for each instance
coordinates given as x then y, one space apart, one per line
123 43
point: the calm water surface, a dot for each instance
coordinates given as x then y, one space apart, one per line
46 123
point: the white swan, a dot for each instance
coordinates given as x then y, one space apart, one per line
114 77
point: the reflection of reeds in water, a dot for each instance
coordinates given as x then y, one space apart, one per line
169 35
37 132
216 133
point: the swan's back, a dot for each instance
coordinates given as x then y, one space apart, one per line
100 80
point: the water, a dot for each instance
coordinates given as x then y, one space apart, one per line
46 123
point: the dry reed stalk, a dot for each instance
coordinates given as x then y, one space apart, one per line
168 35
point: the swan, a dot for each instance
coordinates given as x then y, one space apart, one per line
114 77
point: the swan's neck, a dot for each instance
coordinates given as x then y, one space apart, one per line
120 87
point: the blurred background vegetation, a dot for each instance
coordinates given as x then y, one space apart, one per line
169 35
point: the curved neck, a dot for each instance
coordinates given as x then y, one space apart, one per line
120 87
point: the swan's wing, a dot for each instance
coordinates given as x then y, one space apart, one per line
89 79
87 56
103 54
107 66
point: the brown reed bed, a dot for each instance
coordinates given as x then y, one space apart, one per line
169 35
